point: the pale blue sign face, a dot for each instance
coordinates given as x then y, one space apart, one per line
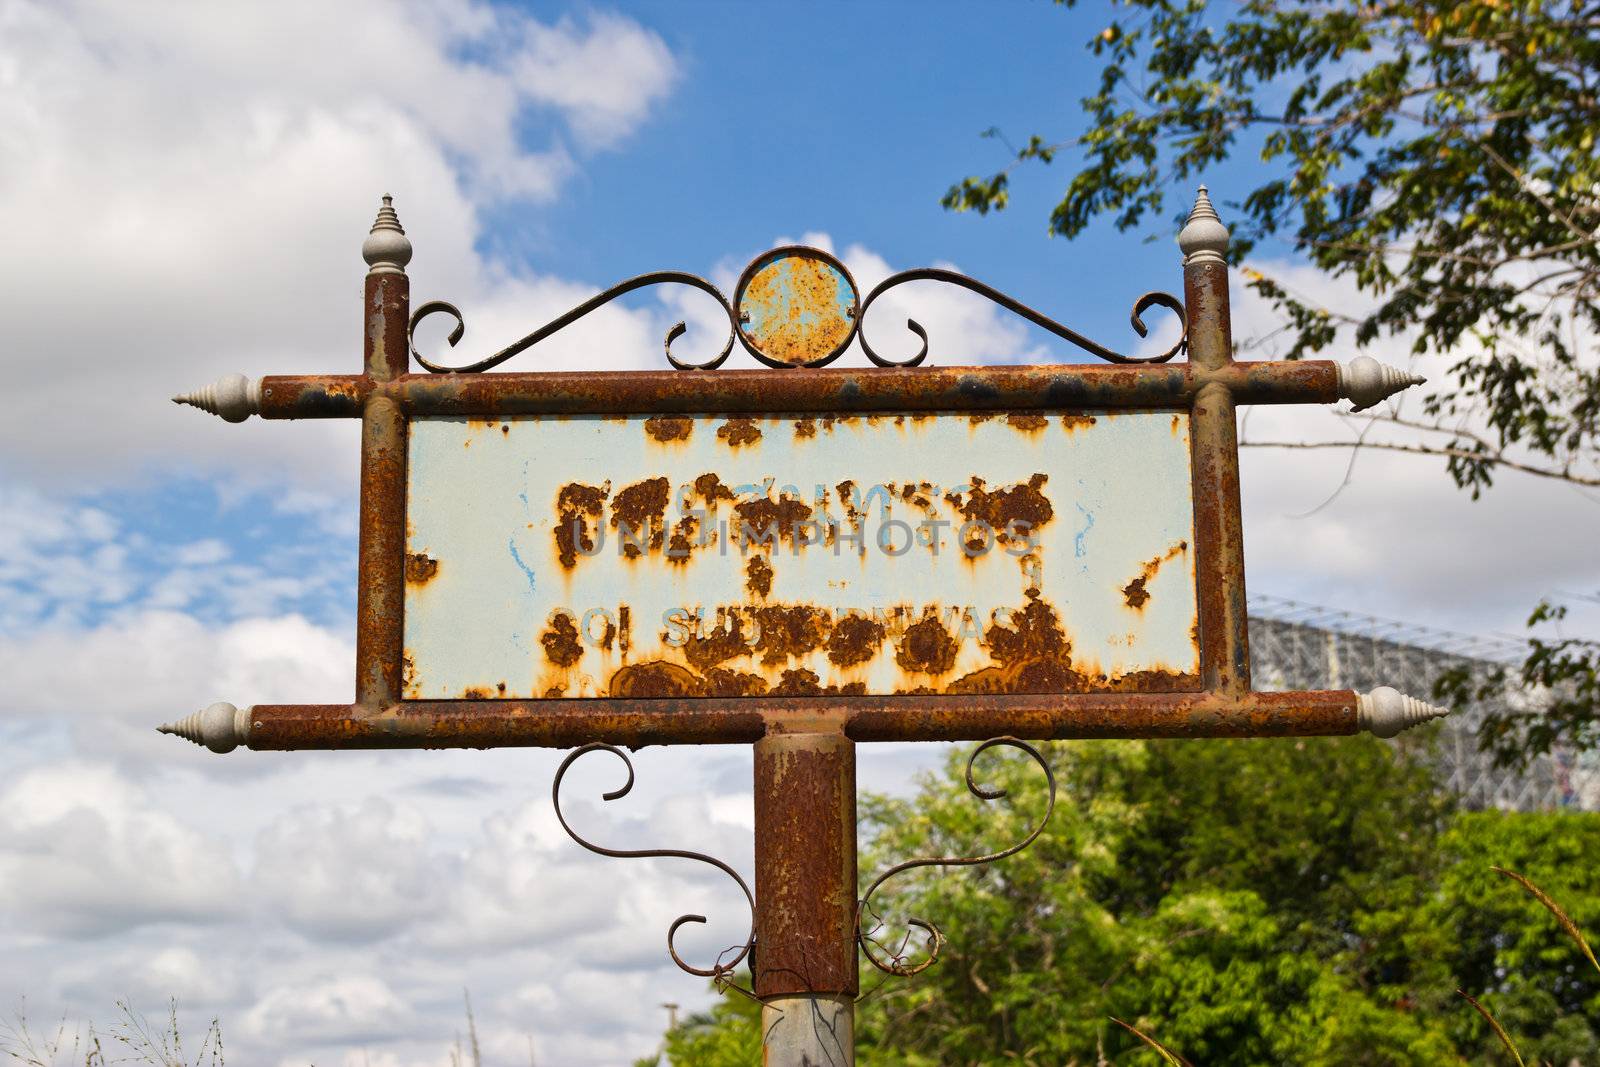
588 556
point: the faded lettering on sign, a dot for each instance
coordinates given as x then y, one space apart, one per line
802 555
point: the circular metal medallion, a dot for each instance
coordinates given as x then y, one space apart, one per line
797 307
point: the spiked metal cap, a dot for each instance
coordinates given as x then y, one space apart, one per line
221 727
1203 239
234 398
1365 381
386 249
1386 711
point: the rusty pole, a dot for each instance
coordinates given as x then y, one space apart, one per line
380 587
804 965
1214 454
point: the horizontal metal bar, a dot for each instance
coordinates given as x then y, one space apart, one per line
829 389
735 720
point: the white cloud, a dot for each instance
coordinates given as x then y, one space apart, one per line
175 233
347 872
84 854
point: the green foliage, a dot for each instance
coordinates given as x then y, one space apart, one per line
1440 154
729 1035
1312 902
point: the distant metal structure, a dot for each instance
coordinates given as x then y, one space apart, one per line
1303 646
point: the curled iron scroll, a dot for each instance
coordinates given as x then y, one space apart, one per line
720 970
438 307
896 964
939 274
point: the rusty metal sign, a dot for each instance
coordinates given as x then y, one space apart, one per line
801 558
647 556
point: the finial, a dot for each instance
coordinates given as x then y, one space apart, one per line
235 397
386 249
1366 381
221 727
1386 711
1203 239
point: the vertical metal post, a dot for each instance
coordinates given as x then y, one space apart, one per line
1214 453
805 956
380 589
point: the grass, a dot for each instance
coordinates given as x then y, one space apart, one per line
130 1040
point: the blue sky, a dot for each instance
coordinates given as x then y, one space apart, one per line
184 195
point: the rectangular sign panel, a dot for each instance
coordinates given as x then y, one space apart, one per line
590 556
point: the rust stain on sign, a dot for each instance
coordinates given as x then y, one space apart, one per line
1135 593
581 556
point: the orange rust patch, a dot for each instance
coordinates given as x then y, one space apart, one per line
762 513
1027 423
655 679
420 567
555 691
720 682
855 639
710 489
979 418
1134 593
1033 633
560 642
739 432
679 546
666 429
474 693
798 683
758 576
1074 423
576 504
1020 503
726 641
926 647
641 506
790 631
1174 425
806 427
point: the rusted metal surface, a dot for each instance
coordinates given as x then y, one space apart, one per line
797 307
805 808
381 565
1219 533
796 556
833 389
733 720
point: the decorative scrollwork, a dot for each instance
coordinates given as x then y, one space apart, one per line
896 963
796 307
939 274
435 307
722 968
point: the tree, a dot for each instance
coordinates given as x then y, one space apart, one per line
1439 154
1311 902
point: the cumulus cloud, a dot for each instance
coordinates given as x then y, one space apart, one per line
176 233
84 854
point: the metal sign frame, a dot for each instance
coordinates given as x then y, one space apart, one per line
807 918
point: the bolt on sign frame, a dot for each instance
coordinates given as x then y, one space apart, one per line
491 611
